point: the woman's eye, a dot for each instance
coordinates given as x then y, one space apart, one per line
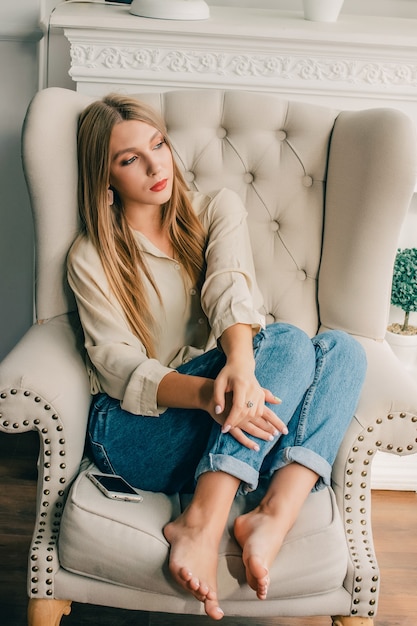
129 161
159 144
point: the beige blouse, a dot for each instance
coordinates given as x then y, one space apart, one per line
189 321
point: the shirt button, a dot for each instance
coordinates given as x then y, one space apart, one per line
177 267
193 291
201 320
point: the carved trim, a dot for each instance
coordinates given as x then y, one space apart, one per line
352 71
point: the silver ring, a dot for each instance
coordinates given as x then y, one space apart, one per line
249 404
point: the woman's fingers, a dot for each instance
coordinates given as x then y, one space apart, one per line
260 428
240 436
269 397
259 416
269 416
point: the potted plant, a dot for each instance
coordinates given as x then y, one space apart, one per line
402 336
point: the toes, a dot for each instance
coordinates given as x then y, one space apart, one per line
262 590
185 574
212 609
199 590
204 589
257 576
188 580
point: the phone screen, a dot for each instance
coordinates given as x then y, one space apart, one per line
115 483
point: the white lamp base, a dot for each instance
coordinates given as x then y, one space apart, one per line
171 9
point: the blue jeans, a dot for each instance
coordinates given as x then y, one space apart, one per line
318 380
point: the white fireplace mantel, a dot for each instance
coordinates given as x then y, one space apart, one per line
357 58
357 62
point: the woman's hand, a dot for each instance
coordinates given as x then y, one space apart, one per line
235 400
238 397
239 405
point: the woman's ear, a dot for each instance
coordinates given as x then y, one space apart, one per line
110 196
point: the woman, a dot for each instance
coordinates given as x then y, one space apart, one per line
185 375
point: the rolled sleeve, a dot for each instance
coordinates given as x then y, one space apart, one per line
140 396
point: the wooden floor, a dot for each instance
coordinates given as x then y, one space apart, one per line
395 530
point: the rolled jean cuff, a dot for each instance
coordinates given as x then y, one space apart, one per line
248 476
306 457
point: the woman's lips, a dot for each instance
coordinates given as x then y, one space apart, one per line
160 185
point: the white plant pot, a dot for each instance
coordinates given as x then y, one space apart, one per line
322 10
404 347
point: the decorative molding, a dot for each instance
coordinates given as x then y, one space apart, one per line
353 71
250 49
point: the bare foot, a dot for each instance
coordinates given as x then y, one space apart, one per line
260 539
193 562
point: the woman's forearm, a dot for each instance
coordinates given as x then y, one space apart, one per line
236 342
186 392
195 392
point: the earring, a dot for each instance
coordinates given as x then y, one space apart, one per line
110 196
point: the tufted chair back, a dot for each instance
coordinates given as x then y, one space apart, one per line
310 234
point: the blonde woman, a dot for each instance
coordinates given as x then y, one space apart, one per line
185 375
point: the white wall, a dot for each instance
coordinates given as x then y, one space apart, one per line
19 34
20 60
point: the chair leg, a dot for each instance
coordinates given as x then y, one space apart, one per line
44 612
341 620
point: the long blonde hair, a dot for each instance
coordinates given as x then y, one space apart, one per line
106 225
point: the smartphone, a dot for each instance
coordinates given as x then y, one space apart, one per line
115 487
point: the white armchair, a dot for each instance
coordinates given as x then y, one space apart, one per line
326 192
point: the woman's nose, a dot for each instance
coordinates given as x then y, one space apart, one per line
154 167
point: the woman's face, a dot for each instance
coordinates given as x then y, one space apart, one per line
141 167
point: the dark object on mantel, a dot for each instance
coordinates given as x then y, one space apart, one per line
120 1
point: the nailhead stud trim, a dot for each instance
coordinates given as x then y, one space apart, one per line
366 581
42 417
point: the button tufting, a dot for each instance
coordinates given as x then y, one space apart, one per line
189 176
307 181
281 135
274 226
248 178
301 275
221 133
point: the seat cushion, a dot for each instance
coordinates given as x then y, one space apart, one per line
123 543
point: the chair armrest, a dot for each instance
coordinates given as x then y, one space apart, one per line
386 416
44 386
386 420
